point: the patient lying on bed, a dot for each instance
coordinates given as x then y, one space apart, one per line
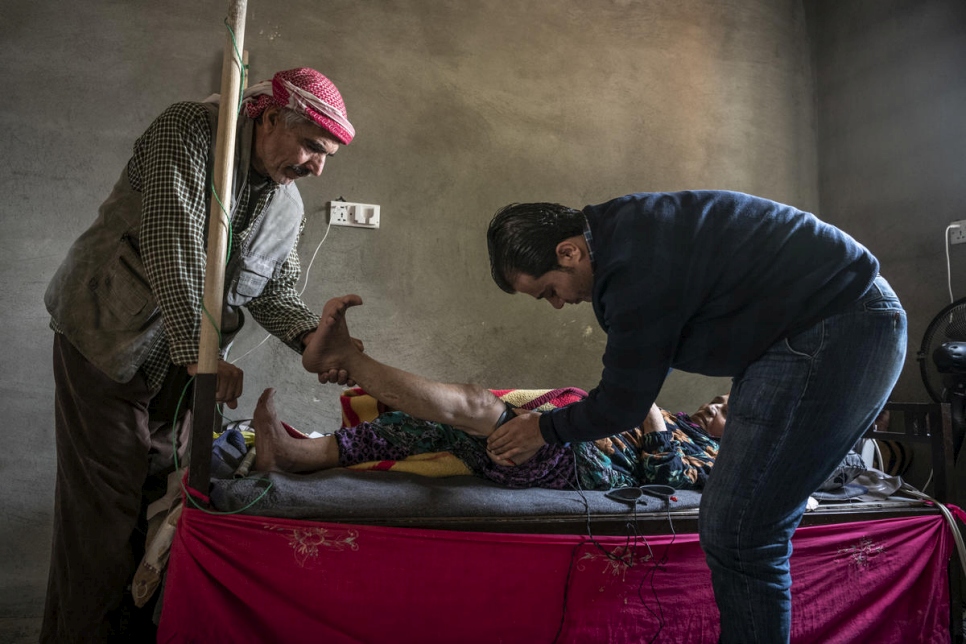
431 416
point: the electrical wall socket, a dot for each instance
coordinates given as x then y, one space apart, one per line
957 234
350 213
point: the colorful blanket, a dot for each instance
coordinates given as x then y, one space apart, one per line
359 407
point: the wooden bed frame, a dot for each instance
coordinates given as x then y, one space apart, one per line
928 424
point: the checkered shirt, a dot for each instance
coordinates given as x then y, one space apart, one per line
169 169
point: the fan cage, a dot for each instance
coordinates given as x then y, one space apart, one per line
948 325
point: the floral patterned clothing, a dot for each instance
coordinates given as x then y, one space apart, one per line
680 456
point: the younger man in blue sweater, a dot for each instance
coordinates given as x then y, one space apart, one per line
722 284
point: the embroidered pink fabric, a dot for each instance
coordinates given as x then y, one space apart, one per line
250 579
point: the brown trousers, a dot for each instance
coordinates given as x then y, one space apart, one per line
109 455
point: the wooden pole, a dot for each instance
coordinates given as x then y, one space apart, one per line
204 417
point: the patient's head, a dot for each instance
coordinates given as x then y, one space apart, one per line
712 416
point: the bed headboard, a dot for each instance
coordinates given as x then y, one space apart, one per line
930 424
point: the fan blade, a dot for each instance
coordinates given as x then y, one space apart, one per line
956 325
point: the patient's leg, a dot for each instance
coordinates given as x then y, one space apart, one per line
276 451
468 407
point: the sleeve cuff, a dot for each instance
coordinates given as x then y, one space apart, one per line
548 431
295 341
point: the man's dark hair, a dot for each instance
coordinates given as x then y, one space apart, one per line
523 239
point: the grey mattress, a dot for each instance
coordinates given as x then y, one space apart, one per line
343 495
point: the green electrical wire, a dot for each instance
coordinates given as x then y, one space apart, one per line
177 467
241 64
184 391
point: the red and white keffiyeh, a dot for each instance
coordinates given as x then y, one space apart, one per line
307 92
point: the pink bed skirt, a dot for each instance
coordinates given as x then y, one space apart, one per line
240 578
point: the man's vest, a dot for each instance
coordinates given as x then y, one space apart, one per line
101 299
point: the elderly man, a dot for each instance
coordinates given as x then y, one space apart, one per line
126 308
722 284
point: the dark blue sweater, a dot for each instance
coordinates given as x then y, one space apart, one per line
703 282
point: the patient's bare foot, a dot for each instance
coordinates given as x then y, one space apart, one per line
271 451
330 343
277 451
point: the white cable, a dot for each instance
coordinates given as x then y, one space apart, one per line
949 272
928 480
957 535
308 269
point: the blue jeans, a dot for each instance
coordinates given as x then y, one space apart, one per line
793 415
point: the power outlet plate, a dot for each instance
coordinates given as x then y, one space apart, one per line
350 213
957 234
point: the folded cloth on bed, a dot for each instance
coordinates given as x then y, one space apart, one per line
358 407
540 399
841 485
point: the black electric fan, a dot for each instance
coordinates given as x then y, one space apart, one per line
942 361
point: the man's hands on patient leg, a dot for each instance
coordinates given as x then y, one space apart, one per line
326 346
517 440
335 376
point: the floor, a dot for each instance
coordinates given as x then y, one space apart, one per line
19 630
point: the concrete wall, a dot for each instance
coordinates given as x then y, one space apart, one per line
890 104
890 96
461 107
